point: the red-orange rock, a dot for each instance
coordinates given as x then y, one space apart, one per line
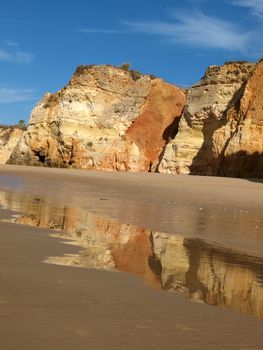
106 118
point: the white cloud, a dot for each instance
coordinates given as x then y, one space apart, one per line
197 30
12 43
17 56
8 95
256 6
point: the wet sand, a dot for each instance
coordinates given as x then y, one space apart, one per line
59 307
193 190
54 307
223 210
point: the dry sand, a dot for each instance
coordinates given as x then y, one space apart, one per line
55 307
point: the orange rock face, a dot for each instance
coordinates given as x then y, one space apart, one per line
109 119
105 118
145 139
156 122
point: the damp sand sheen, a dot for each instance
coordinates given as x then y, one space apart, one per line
94 260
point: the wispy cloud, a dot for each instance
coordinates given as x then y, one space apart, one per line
196 29
8 95
12 43
23 57
13 53
4 55
103 31
256 6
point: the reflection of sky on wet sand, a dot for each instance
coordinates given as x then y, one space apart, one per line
202 271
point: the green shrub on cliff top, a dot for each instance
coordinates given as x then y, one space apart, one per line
135 74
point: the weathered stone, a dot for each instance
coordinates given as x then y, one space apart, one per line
109 118
191 151
9 137
106 118
238 144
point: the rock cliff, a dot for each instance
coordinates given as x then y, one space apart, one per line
238 144
9 137
205 126
106 118
111 118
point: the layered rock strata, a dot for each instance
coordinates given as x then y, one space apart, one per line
106 118
238 144
9 137
207 123
110 118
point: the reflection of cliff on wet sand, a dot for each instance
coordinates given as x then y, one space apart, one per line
203 272
107 244
210 274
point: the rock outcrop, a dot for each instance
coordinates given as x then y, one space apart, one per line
106 118
9 137
111 118
238 144
206 126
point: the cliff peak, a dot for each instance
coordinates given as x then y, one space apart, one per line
230 72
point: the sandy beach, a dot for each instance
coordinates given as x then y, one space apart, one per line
131 175
63 307
219 209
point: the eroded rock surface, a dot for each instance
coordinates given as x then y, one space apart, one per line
9 137
238 144
105 118
108 118
194 149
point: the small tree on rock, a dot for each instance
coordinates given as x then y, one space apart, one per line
22 124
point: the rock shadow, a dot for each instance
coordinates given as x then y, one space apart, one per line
205 163
242 164
168 134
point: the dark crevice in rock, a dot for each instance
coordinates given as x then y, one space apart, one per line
169 134
171 131
40 155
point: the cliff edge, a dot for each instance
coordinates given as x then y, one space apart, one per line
106 118
112 118
195 148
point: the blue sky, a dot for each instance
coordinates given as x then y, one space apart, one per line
42 42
